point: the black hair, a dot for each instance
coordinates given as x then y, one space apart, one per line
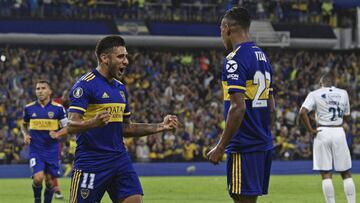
239 16
327 80
107 43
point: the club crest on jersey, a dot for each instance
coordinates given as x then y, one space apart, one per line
51 114
122 94
85 193
231 66
78 92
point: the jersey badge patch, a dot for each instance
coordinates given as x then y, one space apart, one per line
85 193
51 114
122 94
78 92
231 66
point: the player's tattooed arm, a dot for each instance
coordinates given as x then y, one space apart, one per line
143 129
78 124
25 132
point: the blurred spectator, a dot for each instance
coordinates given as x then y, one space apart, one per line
326 10
142 151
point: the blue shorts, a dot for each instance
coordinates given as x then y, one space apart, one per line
49 166
119 182
248 174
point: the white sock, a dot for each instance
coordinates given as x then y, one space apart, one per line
349 189
328 190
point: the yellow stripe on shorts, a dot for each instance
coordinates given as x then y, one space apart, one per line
75 185
239 161
233 174
236 174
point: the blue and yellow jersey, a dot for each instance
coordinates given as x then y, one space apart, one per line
93 93
247 70
42 120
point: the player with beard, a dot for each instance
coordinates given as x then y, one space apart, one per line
99 113
41 117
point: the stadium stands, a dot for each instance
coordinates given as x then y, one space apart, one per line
305 11
185 82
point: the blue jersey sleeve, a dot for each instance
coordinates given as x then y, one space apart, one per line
127 108
79 97
235 75
26 116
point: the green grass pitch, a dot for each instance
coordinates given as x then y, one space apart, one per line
192 189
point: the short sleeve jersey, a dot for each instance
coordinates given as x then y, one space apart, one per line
247 70
330 105
42 120
91 94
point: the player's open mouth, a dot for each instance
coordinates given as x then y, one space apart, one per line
121 70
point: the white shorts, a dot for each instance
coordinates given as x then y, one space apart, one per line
330 146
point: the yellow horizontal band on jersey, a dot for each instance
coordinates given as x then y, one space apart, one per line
127 113
116 111
252 89
236 87
44 124
77 108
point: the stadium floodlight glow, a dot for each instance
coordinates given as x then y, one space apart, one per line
2 58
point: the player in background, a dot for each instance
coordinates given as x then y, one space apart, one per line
330 104
99 112
248 103
41 117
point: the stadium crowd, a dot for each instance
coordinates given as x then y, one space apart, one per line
184 82
304 11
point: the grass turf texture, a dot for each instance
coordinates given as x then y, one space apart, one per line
192 189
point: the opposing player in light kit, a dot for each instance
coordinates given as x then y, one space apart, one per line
40 118
248 103
330 105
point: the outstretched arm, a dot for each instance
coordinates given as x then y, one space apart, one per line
144 129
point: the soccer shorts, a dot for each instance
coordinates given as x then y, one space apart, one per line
49 166
118 181
330 148
248 174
